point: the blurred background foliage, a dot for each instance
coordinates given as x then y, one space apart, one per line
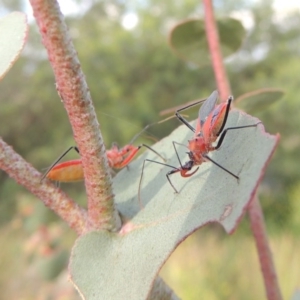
133 75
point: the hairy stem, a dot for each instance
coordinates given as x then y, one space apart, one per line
74 92
255 212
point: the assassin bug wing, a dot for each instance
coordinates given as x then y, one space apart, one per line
229 100
205 112
215 123
207 107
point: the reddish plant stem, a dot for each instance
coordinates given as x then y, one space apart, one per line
212 36
255 212
23 173
74 92
263 250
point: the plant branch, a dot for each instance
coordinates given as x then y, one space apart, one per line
74 92
255 212
212 36
23 173
263 250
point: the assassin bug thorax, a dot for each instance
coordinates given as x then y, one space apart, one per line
72 170
209 127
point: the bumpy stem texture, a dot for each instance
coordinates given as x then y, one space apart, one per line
74 92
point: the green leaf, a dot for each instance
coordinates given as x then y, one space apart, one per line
188 39
123 265
259 100
13 34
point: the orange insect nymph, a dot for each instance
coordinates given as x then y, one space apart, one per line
72 170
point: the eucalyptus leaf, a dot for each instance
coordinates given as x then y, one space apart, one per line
259 100
124 265
188 39
13 35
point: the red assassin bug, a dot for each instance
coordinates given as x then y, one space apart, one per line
72 170
210 126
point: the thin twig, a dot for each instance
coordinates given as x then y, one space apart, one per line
255 212
263 250
212 36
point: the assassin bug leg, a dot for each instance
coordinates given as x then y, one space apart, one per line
159 163
182 119
222 136
206 108
221 167
183 170
175 170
